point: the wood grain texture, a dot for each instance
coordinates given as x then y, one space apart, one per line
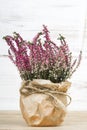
12 120
26 17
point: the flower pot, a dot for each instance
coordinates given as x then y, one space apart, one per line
43 103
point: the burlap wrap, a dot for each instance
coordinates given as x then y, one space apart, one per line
43 103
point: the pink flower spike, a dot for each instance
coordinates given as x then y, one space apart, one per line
46 33
42 58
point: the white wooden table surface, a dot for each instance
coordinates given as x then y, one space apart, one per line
12 120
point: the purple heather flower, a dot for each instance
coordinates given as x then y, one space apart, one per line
42 58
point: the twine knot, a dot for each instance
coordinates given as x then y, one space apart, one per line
51 89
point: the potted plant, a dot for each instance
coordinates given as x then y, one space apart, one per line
44 68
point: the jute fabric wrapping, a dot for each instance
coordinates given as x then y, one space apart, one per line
43 103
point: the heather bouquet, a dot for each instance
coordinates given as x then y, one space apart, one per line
44 68
41 58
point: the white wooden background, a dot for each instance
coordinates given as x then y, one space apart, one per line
26 17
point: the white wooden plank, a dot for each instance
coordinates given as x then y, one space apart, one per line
27 17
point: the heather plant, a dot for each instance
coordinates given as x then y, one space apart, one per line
42 58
